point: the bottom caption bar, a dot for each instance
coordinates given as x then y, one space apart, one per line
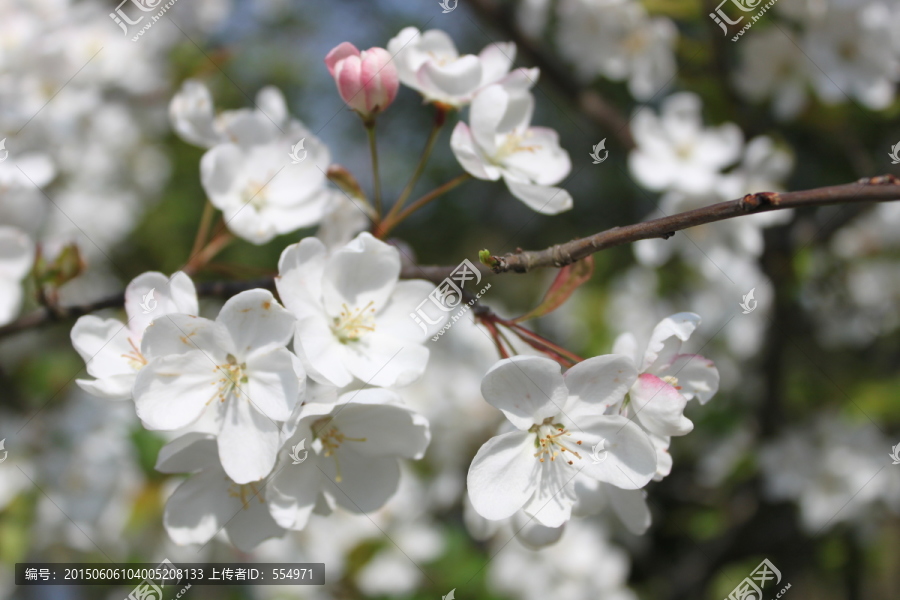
155 577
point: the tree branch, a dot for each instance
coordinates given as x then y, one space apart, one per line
874 189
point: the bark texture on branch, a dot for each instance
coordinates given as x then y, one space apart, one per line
874 189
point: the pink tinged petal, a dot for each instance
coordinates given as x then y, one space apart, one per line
665 341
470 157
454 80
256 322
253 524
659 406
697 376
248 441
348 75
597 383
388 430
178 334
339 53
379 78
631 508
528 389
365 270
382 360
294 491
316 344
502 476
172 391
300 271
272 383
630 458
543 199
188 454
360 483
199 508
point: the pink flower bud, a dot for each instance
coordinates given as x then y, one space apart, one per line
367 81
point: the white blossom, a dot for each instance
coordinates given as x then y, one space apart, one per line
16 258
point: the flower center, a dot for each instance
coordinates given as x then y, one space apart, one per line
331 439
134 358
254 194
246 492
552 439
514 143
350 325
671 380
232 377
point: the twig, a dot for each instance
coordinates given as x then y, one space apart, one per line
874 189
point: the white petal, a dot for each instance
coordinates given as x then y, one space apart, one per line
191 113
16 253
272 383
528 389
256 322
175 294
597 383
541 198
388 430
554 497
502 476
293 492
544 162
253 524
697 376
270 101
630 459
454 80
631 508
316 344
626 345
396 316
496 61
300 271
365 270
470 157
103 344
178 333
679 326
360 483
172 391
534 535
189 453
248 441
199 508
384 361
486 114
218 169
659 407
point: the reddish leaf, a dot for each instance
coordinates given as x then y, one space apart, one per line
567 281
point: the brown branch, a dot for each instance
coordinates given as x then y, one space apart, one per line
875 189
588 101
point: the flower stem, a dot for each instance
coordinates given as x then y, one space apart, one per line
440 117
203 229
376 178
391 222
202 258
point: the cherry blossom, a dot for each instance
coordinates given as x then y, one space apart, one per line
676 152
557 419
500 142
237 365
430 64
353 312
353 462
209 501
111 349
367 80
16 258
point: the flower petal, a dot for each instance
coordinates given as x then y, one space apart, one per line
630 458
597 383
253 524
528 389
256 322
502 475
294 491
316 344
665 341
659 406
300 271
248 441
631 508
697 376
172 391
382 360
470 156
272 383
199 508
544 199
189 453
365 270
360 483
388 430
103 344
